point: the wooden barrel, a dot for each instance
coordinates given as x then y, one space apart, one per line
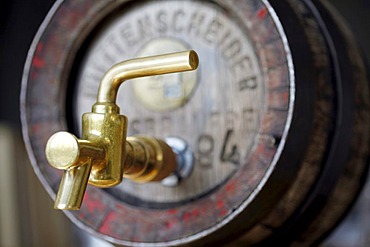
276 118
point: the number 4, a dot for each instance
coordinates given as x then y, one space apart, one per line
230 152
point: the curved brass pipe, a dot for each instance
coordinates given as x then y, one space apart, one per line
141 67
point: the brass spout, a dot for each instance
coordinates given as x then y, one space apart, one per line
103 156
141 67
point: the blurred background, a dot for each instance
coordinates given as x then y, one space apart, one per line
26 214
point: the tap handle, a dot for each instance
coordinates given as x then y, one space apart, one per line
72 187
65 152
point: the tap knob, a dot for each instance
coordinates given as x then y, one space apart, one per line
65 152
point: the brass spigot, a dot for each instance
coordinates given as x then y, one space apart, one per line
103 155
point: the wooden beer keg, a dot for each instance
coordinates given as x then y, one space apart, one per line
273 126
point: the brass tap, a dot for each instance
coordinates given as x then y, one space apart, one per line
103 155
